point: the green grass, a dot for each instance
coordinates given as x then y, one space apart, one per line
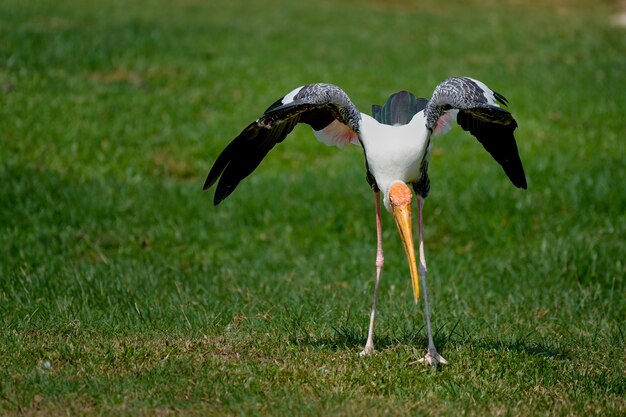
123 291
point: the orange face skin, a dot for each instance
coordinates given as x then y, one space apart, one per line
400 195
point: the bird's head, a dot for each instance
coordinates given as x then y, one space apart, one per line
398 201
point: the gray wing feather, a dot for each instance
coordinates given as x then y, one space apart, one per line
479 112
318 105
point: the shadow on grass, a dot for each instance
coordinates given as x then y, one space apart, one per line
353 338
545 349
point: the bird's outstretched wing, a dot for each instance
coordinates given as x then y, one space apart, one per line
477 109
326 108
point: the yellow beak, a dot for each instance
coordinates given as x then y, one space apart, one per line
402 216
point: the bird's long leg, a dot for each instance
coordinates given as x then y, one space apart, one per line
380 260
432 357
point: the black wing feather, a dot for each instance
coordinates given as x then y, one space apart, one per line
494 127
243 155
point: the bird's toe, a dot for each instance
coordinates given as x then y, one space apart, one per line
368 350
433 359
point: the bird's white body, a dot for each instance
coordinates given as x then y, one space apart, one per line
394 153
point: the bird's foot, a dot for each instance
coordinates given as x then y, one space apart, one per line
368 350
432 358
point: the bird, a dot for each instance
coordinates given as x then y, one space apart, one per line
396 141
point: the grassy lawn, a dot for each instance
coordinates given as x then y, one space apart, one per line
123 291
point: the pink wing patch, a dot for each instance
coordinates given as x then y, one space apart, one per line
336 134
445 122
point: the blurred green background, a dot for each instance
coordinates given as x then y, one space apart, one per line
123 291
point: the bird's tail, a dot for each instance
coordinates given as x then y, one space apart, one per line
399 108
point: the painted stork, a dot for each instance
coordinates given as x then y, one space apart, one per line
396 142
